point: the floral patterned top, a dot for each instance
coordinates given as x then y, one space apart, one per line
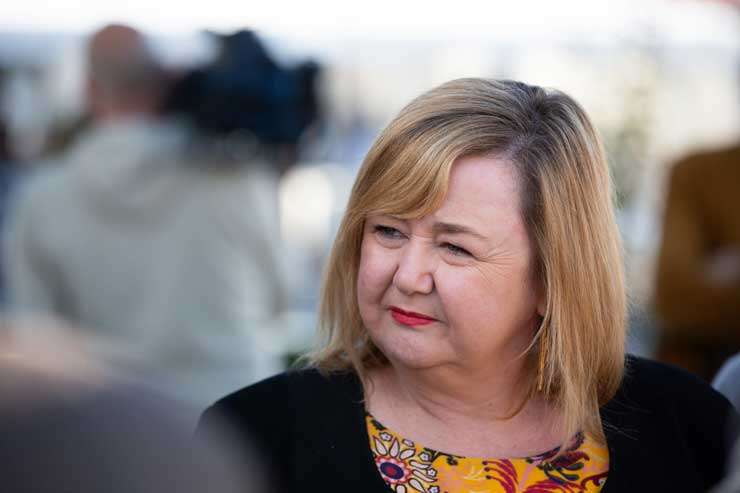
408 467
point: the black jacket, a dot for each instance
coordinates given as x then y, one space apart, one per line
667 431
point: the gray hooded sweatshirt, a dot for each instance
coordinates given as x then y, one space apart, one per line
173 268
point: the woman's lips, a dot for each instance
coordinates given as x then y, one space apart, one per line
411 319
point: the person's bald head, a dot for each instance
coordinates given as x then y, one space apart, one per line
123 75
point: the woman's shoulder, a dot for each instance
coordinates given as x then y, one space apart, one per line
672 420
661 396
278 398
652 390
651 381
296 414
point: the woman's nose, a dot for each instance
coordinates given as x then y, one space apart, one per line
414 272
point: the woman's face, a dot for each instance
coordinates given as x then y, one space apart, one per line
455 287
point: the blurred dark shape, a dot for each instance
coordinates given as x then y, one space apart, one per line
244 89
697 296
69 425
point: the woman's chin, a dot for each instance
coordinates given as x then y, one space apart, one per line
412 348
413 357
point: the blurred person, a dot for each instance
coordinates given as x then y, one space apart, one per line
70 423
697 291
159 245
473 321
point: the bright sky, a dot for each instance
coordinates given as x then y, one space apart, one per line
689 20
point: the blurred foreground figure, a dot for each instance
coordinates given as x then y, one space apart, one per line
149 244
70 425
697 294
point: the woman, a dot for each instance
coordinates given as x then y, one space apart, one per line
474 322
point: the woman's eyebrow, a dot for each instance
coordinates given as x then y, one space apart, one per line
452 228
382 217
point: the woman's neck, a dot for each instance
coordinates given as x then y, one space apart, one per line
450 391
464 412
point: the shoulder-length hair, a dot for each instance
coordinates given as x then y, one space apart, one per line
567 206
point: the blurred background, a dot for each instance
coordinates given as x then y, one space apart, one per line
319 79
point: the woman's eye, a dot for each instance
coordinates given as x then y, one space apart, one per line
388 232
456 250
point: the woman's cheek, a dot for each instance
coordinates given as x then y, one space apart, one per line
373 275
453 282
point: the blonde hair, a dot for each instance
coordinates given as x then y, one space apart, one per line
567 208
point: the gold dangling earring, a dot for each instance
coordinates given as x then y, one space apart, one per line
542 359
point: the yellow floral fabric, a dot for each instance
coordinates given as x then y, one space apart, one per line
408 467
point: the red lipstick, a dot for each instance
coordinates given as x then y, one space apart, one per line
412 319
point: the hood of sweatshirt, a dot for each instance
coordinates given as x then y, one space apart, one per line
130 166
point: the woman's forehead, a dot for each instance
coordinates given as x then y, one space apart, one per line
482 188
487 177
482 200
